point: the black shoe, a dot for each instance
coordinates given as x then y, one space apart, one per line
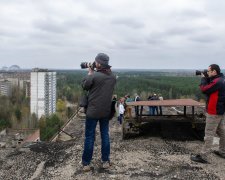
218 153
198 158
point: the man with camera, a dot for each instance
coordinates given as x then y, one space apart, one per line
100 84
213 86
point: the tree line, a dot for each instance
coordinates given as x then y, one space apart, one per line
171 85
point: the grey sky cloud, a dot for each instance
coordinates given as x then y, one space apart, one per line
183 31
129 22
204 39
50 26
189 14
135 34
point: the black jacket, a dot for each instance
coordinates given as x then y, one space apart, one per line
214 88
100 87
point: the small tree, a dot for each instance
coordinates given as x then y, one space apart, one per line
61 105
18 114
6 108
34 121
4 124
49 126
69 112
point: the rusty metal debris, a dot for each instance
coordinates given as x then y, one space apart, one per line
171 102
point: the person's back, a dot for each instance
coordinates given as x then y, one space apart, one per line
149 97
154 97
128 109
160 98
113 106
100 94
121 108
154 108
129 99
137 98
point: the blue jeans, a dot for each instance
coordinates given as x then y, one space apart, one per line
153 110
150 110
120 118
90 126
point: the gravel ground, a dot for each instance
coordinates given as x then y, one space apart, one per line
148 156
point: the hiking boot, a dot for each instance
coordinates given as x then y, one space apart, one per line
198 158
220 154
106 165
86 168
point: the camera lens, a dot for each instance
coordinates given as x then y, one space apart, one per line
198 72
83 65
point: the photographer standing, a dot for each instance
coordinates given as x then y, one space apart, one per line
213 86
100 85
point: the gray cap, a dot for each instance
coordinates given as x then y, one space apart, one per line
102 59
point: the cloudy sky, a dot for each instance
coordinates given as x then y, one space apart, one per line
142 34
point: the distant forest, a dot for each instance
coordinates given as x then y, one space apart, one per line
170 84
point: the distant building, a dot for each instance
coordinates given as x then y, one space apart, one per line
5 88
27 89
14 81
19 81
43 92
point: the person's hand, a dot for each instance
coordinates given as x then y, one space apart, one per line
205 74
90 71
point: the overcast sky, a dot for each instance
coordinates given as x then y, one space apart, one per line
137 34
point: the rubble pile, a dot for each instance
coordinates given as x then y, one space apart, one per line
147 156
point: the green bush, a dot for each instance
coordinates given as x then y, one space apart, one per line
4 124
49 126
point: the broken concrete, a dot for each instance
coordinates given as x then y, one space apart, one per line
147 156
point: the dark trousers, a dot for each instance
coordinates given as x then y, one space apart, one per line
90 126
153 110
120 118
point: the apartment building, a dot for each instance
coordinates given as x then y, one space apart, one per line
5 88
42 92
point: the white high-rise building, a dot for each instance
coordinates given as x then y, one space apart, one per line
43 92
5 88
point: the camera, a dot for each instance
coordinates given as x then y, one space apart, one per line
85 65
204 72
